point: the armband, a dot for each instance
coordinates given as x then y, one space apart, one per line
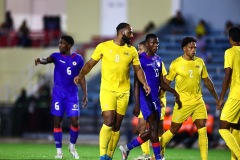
43 60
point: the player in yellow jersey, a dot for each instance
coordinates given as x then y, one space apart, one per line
230 116
188 71
117 56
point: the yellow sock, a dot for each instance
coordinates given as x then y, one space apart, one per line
145 147
230 141
113 143
104 138
166 137
236 135
203 143
162 149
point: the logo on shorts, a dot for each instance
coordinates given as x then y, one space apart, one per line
75 107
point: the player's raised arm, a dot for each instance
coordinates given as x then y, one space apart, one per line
44 60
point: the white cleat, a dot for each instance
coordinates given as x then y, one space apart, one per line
124 153
74 153
59 156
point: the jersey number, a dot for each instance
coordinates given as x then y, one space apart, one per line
156 73
69 72
191 73
117 57
56 105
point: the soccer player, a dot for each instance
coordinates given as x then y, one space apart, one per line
142 124
117 56
187 71
230 116
65 92
141 47
149 104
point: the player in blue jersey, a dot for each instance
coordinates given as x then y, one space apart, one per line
65 92
150 104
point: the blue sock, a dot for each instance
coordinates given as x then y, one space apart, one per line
135 142
57 132
156 150
74 134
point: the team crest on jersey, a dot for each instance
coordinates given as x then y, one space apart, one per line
126 53
197 66
74 63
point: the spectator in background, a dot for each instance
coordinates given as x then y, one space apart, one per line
202 48
23 35
7 25
8 20
177 24
20 113
201 28
228 25
150 26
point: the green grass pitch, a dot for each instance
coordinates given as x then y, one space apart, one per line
36 151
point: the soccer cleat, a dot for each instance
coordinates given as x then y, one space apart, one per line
103 157
108 158
124 153
59 156
143 157
163 158
74 153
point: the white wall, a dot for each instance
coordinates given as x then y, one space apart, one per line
34 10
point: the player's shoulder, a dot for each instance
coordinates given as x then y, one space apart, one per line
177 60
198 59
55 54
77 56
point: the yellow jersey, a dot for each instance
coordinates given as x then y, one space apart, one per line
116 61
232 60
187 75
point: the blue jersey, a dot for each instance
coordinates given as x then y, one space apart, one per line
65 92
66 68
152 67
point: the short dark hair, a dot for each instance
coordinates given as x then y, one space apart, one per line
150 35
187 40
142 43
68 39
234 33
122 26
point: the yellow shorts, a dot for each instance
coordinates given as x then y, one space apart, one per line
231 111
197 111
111 100
163 110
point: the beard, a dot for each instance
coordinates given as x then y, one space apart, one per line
126 39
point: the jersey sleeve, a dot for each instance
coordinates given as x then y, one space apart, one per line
228 60
98 52
204 71
53 56
172 72
135 57
164 71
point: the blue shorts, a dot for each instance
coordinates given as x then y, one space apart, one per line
148 105
63 101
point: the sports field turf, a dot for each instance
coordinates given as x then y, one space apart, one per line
90 152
